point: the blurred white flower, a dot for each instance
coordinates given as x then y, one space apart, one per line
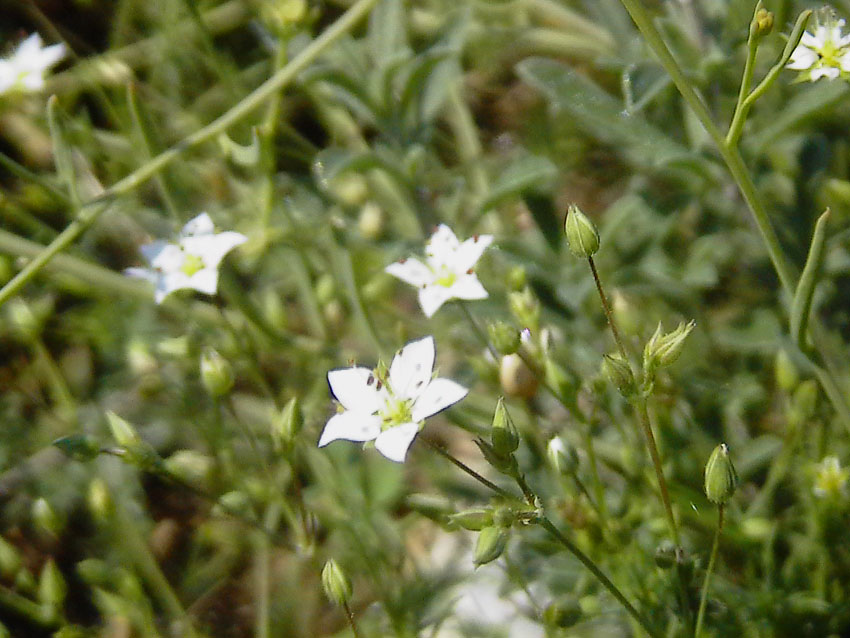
830 478
448 269
24 68
826 54
389 408
192 262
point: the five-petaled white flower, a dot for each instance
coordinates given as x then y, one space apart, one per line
389 410
24 68
192 262
447 273
826 54
830 478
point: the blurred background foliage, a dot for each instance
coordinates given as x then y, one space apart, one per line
490 116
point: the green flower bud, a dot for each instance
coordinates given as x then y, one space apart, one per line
619 372
287 425
786 373
582 235
762 22
234 503
52 588
135 451
504 517
720 476
436 507
191 467
562 456
99 499
81 447
504 464
335 583
526 308
516 377
665 554
663 349
28 321
349 188
10 559
504 337
563 613
216 373
25 582
503 435
370 223
45 518
474 519
490 545
517 278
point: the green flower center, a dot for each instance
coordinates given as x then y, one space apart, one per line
396 412
191 265
446 278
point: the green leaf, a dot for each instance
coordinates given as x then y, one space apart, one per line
81 447
801 306
387 31
524 173
603 117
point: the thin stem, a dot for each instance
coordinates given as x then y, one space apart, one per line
479 331
585 560
742 106
92 209
646 426
607 308
714 546
350 616
465 468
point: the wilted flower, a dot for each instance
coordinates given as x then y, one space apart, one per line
830 478
448 269
826 54
389 408
24 69
191 262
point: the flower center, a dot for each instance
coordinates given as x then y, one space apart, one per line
396 412
445 278
191 265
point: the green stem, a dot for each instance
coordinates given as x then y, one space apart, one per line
646 426
599 490
465 468
714 546
350 616
740 115
607 308
92 209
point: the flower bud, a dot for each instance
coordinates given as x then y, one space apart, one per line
45 518
99 499
563 613
516 377
80 447
619 372
490 545
335 583
287 425
720 476
582 235
504 464
190 467
517 278
665 554
562 456
52 588
525 307
233 503
436 507
474 519
216 373
786 373
504 337
349 188
662 350
10 559
370 223
134 450
762 22
503 435
504 517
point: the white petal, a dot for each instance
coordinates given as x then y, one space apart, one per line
829 72
802 58
468 287
470 252
212 248
394 443
142 273
168 258
432 297
200 225
33 81
354 390
168 282
152 250
51 55
205 280
441 247
351 426
411 271
844 61
440 394
411 368
814 41
8 76
29 48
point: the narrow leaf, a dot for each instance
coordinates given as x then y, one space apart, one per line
62 152
802 305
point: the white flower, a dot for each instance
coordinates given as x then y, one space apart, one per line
192 262
25 68
389 411
826 54
830 478
447 273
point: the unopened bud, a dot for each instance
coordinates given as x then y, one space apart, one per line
433 506
720 476
10 559
663 349
562 456
234 503
335 583
216 373
504 464
517 278
665 554
516 377
582 235
786 373
99 499
135 451
370 223
504 517
762 22
504 337
563 613
45 518
287 425
490 545
349 188
52 588
474 519
525 307
191 467
80 447
619 372
503 435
